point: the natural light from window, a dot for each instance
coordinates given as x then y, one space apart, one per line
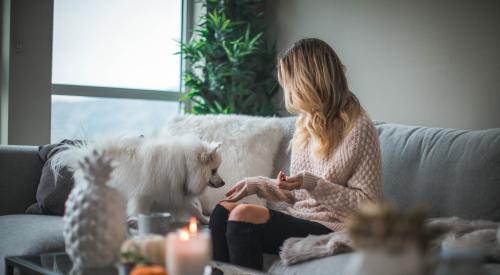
89 117
126 44
117 43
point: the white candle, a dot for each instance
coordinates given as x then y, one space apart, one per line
187 251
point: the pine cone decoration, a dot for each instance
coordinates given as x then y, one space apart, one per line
95 216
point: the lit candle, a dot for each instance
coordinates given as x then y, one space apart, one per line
188 251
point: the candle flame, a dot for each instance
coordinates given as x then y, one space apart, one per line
193 225
184 235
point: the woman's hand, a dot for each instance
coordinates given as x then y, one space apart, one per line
263 187
246 187
281 176
289 183
237 192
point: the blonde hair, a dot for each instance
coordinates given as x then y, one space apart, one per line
316 89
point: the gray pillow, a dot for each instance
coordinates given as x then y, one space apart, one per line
50 196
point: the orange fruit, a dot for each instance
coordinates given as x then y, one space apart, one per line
148 270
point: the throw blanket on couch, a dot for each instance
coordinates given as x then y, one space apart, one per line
456 234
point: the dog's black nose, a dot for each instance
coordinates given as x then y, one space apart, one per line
217 184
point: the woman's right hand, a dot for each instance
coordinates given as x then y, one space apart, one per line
291 183
281 177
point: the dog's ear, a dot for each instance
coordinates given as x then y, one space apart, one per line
215 147
206 157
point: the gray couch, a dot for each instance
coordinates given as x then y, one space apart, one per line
455 172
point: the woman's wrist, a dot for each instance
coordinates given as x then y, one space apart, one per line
252 188
258 180
309 180
254 184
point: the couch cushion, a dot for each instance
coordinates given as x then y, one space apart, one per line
333 265
28 235
456 172
336 265
491 268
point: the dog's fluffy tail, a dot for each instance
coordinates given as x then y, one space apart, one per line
67 158
70 155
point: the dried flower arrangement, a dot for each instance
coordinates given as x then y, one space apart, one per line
377 226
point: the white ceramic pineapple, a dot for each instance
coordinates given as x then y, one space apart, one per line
95 216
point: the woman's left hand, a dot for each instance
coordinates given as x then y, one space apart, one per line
291 183
237 192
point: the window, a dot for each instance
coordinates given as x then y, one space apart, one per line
114 67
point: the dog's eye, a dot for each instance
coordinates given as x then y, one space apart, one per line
214 171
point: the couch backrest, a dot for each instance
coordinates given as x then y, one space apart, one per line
455 172
20 169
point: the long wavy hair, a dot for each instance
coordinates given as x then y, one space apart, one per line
315 88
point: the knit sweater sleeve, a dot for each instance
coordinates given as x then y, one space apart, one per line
365 184
267 189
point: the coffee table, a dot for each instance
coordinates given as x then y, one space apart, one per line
60 263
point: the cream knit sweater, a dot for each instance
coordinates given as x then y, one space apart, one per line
332 187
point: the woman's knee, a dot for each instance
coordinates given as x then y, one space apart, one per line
228 205
249 213
219 217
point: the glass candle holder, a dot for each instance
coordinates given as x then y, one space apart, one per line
154 223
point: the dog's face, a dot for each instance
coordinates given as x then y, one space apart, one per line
208 162
212 161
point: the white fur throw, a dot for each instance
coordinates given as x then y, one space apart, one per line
249 146
295 250
457 235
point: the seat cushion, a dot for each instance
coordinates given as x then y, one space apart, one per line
492 268
29 235
333 265
336 265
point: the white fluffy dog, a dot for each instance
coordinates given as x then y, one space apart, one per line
160 174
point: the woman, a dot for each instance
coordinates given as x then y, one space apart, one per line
335 163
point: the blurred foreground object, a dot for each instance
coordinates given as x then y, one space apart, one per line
388 241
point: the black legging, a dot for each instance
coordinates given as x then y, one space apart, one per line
243 243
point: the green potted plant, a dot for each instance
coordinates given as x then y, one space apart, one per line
230 65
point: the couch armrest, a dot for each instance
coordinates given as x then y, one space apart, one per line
20 169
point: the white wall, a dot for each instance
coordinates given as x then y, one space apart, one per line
426 62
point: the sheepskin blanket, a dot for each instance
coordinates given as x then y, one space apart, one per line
249 146
456 235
